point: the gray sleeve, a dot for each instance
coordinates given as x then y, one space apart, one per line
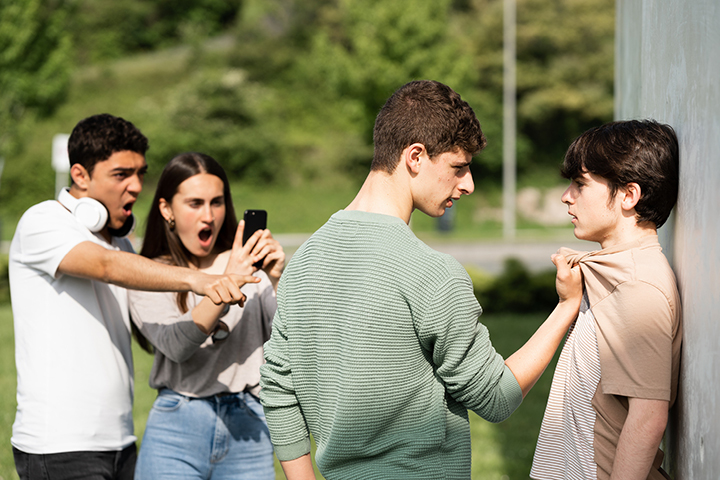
268 300
159 319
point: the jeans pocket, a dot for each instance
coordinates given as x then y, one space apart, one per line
168 401
254 407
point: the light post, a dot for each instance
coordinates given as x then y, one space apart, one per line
60 161
509 119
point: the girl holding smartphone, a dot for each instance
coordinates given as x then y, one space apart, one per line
207 421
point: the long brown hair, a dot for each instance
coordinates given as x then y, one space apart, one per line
162 242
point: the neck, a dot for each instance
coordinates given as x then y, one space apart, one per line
386 194
629 233
207 262
76 191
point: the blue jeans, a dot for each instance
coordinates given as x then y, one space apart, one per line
214 437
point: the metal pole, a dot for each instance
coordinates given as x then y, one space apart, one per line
509 119
60 161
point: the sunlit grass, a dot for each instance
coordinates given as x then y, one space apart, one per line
498 451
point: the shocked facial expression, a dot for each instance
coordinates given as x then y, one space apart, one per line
198 209
595 214
116 183
443 180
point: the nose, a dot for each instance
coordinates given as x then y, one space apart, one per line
566 198
207 214
135 185
467 186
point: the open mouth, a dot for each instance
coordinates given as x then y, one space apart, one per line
205 235
127 208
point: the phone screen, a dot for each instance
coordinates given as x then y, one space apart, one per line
254 220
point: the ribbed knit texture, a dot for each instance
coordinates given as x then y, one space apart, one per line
377 349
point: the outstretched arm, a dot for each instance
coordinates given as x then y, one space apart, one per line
88 260
530 361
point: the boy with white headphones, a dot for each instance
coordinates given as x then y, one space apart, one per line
69 267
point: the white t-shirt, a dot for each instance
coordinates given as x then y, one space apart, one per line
72 342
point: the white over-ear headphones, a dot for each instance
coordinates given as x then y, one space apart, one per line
89 212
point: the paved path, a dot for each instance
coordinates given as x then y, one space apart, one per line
487 255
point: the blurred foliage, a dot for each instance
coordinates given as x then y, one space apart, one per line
35 63
356 53
285 92
105 30
4 279
516 289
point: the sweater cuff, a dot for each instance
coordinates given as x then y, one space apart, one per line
292 451
510 387
191 332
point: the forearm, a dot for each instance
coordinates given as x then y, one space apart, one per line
640 438
134 271
299 469
125 269
88 260
531 360
206 315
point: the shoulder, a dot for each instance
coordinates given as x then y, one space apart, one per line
639 309
46 213
652 267
45 234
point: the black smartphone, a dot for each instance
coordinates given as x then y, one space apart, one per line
254 220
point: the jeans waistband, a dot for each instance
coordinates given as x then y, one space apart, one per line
218 396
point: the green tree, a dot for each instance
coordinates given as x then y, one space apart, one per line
336 62
564 71
35 50
107 30
35 66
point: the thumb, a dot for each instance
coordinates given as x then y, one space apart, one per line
237 242
561 263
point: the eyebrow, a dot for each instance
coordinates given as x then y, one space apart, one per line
196 199
141 170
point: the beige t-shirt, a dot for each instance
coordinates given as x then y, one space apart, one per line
634 298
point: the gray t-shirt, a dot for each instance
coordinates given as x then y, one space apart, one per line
194 364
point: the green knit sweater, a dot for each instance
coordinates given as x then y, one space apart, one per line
376 349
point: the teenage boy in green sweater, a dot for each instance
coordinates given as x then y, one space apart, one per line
376 347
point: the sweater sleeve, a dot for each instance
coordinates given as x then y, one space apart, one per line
473 372
288 430
157 316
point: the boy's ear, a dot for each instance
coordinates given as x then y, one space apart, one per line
412 157
79 176
631 195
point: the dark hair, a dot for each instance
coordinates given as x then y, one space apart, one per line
640 151
162 241
429 113
96 138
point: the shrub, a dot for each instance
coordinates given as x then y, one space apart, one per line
516 290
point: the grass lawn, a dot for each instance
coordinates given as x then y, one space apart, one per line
500 452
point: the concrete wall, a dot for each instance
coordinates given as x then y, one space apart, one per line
668 68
